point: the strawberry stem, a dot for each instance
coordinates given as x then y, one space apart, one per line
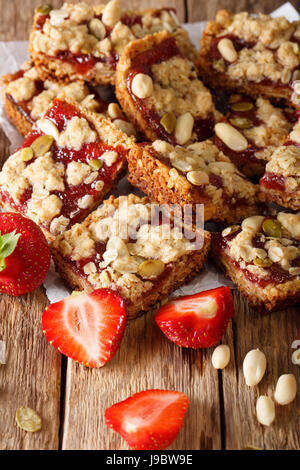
8 243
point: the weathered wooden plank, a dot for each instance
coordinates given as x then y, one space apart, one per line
15 26
273 334
206 10
31 375
145 360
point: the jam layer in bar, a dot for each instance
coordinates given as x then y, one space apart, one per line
262 257
27 98
160 92
127 246
254 129
281 181
84 42
66 165
198 174
254 55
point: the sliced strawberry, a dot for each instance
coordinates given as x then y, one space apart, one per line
148 420
24 254
86 327
199 320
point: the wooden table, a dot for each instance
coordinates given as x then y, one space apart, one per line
71 398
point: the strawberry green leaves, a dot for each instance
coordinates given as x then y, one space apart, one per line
8 243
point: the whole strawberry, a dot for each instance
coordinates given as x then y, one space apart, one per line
24 254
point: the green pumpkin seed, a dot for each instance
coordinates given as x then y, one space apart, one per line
28 419
42 144
27 154
241 122
151 268
242 106
263 263
44 9
272 228
168 121
96 164
219 65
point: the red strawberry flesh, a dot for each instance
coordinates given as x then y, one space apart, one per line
149 420
199 320
88 327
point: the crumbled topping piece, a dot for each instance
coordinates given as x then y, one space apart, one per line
77 133
21 89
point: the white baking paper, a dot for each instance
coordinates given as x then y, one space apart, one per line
13 54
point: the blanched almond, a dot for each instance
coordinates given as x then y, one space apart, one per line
253 223
221 356
231 137
197 177
254 367
48 127
114 110
112 13
142 86
286 389
97 28
227 50
184 128
265 410
295 136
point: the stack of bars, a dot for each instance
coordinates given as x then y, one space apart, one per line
218 127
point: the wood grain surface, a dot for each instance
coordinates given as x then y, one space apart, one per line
72 402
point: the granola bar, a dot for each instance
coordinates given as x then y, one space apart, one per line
262 257
119 247
160 92
256 55
281 182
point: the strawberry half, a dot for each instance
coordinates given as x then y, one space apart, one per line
86 327
24 254
148 420
199 320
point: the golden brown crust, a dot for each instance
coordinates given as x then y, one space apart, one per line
16 116
267 299
288 200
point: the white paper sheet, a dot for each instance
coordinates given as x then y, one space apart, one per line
13 54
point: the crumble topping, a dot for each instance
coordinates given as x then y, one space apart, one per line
201 160
77 133
279 250
273 51
177 89
124 229
77 172
285 161
274 128
21 89
24 89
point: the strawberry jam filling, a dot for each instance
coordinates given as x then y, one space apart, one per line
273 181
142 63
275 273
60 113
